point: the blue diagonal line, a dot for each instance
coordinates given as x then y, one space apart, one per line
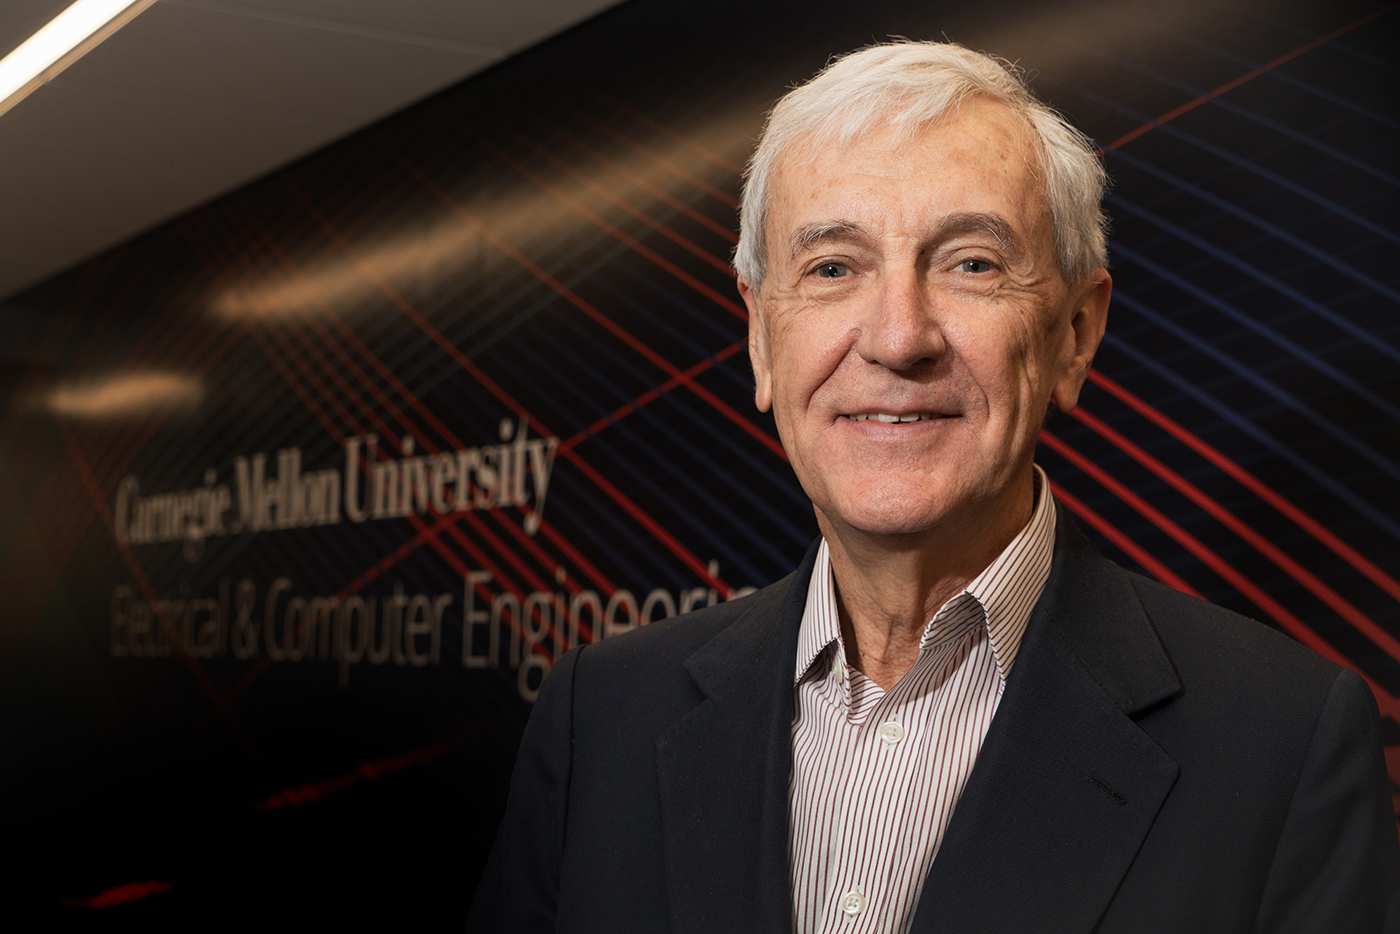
1337 44
660 314
1280 450
1283 182
1244 112
719 440
1206 297
1278 74
1255 221
606 529
1267 386
701 417
602 533
735 370
1360 333
643 478
664 491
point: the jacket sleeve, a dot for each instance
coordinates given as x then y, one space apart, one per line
519 891
1337 863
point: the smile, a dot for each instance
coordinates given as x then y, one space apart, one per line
894 419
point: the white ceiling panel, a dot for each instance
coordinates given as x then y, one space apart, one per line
504 25
121 172
193 56
196 97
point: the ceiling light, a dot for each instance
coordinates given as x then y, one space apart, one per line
68 37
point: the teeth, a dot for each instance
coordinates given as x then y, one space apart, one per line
889 419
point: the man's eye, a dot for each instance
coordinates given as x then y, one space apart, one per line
832 271
974 266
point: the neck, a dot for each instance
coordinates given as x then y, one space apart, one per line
888 587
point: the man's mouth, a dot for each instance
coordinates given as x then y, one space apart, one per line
893 419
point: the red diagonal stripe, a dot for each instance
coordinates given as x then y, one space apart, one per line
626 239
371 771
612 198
139 574
416 404
426 443
1255 594
1343 608
1254 485
666 131
652 394
490 385
638 180
1129 547
578 302
1247 76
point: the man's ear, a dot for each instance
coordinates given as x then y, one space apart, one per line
759 356
1090 316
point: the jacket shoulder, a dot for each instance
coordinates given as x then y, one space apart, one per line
1200 636
647 664
676 638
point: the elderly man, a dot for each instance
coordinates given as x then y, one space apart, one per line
955 715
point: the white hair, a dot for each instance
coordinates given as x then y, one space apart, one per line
909 86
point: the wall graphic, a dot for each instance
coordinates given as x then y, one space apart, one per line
302 493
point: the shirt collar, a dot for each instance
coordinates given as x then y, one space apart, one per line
1006 591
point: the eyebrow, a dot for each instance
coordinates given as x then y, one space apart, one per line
964 222
953 224
808 236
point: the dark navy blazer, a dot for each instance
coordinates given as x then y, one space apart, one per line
1157 763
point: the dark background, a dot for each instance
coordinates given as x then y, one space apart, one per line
551 237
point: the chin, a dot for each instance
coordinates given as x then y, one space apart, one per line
893 508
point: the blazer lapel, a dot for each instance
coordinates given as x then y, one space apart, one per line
723 772
1066 786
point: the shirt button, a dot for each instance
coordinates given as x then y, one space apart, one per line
891 733
852 903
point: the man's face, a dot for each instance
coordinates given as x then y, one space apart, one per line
917 281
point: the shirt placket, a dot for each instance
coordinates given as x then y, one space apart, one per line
896 735
875 795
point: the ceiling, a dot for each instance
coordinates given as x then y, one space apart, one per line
194 98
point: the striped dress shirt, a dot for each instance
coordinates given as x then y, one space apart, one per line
876 774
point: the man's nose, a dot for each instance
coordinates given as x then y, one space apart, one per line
902 327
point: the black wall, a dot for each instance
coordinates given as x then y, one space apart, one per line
547 244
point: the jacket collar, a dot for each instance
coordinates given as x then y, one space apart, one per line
1064 791
723 772
1066 786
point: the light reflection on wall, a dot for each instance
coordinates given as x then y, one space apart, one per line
126 394
520 212
334 284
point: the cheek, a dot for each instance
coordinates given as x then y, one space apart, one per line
1003 352
808 350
